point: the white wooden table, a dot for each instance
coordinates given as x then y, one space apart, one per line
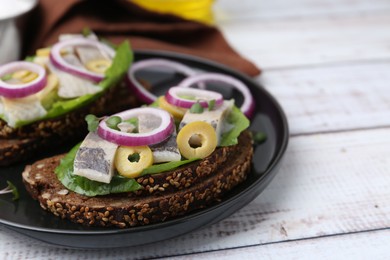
328 63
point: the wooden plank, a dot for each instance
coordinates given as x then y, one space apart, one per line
328 184
368 245
332 98
307 42
229 10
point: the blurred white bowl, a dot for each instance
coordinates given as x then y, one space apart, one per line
13 15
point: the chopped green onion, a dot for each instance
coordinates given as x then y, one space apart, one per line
188 97
29 58
92 122
113 122
259 137
15 191
211 104
11 188
6 77
134 157
86 31
196 108
133 121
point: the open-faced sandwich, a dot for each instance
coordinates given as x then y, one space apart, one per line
148 164
43 100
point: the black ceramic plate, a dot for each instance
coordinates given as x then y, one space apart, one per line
26 216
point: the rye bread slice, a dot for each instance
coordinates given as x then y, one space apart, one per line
129 209
18 144
185 177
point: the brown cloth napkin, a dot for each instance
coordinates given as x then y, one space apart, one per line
119 20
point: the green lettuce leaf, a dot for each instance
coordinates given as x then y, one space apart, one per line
163 167
120 64
88 187
240 122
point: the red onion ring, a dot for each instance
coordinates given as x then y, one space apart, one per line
155 136
202 96
57 60
139 90
247 106
22 90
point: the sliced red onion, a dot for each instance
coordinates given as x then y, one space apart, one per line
247 106
174 96
26 89
155 136
139 90
60 63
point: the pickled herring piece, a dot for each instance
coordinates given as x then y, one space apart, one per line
215 118
165 151
72 86
95 159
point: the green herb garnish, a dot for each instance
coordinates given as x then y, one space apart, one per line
14 190
134 157
188 97
11 188
92 122
259 137
196 108
113 122
29 58
6 77
86 31
133 121
211 104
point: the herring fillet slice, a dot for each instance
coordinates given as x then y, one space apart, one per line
95 159
165 151
73 60
87 54
21 109
71 86
215 118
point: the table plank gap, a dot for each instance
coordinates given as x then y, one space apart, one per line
375 243
311 42
332 99
249 10
330 64
342 130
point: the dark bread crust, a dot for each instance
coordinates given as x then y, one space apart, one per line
130 209
18 144
14 150
184 177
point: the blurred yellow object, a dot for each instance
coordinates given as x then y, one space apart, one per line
198 10
44 52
